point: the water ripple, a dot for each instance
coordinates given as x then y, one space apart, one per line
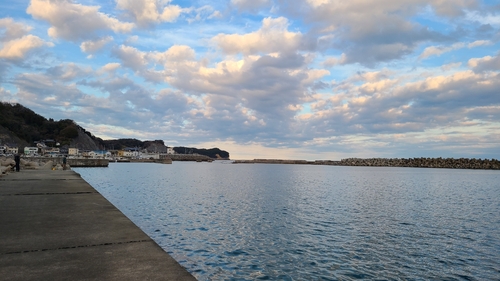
293 222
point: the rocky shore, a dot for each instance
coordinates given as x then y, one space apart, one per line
7 164
449 163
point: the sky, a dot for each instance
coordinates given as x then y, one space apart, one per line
302 79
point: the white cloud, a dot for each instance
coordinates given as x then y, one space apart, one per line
175 53
250 5
333 61
487 63
273 36
15 42
451 66
68 72
131 57
215 15
110 67
13 30
73 21
146 12
479 43
18 48
92 46
439 50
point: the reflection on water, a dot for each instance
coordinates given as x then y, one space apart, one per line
299 222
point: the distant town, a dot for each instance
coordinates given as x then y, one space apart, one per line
50 148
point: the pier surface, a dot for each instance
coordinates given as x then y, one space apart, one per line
55 226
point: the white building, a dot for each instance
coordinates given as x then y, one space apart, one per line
73 151
30 151
12 150
99 154
170 150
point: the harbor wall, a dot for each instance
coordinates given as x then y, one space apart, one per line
449 163
72 162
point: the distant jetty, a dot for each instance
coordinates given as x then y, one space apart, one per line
449 163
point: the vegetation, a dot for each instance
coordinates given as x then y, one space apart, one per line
31 127
122 143
212 152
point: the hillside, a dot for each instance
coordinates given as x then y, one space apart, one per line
21 127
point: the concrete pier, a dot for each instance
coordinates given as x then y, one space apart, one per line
55 226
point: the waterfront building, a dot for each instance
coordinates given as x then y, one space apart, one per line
30 151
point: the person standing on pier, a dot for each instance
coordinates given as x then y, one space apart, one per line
17 159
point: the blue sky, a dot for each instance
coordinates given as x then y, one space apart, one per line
305 79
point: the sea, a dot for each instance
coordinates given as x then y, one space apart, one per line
224 221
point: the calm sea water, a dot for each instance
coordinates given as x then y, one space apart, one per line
298 222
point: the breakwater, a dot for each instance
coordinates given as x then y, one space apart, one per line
449 163
190 157
160 161
88 162
73 162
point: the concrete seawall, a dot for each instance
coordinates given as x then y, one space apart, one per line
73 162
55 226
190 157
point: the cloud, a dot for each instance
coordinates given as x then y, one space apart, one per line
273 36
13 30
479 43
110 67
92 46
250 5
18 48
15 42
487 63
370 32
6 96
485 18
147 12
131 57
74 22
439 50
68 72
332 61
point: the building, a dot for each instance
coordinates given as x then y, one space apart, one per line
170 150
12 150
50 151
30 151
100 154
6 149
73 151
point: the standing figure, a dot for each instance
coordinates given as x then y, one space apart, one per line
64 162
17 159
